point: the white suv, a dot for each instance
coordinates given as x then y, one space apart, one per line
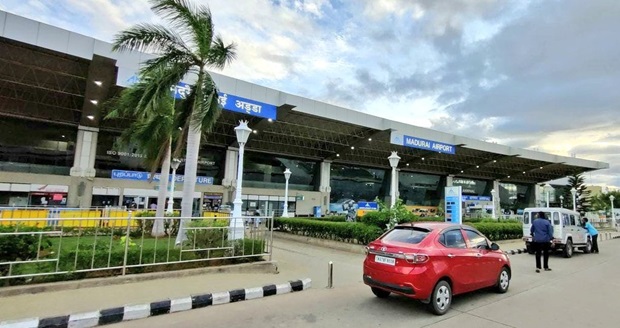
567 229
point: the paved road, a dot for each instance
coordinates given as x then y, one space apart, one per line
581 291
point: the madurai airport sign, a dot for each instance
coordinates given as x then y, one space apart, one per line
145 176
415 142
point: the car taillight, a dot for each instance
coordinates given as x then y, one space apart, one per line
416 258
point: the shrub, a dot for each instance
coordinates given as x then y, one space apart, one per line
333 218
381 219
499 231
21 247
340 231
212 233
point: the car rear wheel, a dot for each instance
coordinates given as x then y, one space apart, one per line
441 298
380 293
503 281
568 249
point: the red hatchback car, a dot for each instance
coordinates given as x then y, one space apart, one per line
433 261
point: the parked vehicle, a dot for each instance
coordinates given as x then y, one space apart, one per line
568 231
432 261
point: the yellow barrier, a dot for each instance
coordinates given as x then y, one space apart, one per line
211 214
7 215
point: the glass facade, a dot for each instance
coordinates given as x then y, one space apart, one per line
514 196
261 170
420 189
474 187
357 183
36 147
112 156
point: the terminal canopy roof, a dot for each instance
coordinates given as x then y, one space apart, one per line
49 86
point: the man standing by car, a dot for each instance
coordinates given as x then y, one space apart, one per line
593 233
542 235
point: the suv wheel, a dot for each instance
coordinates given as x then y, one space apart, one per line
568 249
588 248
441 298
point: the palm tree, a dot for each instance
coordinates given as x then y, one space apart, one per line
152 131
190 47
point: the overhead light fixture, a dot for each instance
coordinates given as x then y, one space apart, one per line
541 167
477 166
369 139
422 158
352 147
91 117
337 155
98 83
523 172
407 164
461 171
494 161
63 135
508 177
254 131
94 102
270 120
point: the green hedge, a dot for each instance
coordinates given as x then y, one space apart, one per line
351 232
361 233
381 219
499 230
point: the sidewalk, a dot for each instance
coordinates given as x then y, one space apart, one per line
82 300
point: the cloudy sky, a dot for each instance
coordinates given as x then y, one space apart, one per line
541 75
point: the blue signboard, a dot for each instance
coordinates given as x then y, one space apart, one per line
144 176
247 106
181 90
453 202
414 142
367 206
478 198
420 143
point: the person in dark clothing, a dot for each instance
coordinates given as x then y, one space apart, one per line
542 236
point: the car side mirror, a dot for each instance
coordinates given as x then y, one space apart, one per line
494 247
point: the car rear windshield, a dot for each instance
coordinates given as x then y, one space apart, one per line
409 235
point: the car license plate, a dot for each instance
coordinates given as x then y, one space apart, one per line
385 260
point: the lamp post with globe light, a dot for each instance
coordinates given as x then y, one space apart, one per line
236 230
394 158
573 192
613 218
287 175
561 201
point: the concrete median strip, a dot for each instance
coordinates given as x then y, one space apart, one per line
141 311
516 251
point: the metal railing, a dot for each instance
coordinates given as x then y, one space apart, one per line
42 249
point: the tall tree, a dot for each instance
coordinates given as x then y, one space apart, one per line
152 131
582 195
189 47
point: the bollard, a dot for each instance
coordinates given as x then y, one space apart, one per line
330 275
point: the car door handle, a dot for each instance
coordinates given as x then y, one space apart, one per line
478 255
451 255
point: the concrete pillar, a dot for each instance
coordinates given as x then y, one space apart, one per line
230 174
325 184
83 171
449 180
496 200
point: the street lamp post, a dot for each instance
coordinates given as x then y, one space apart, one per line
175 165
573 191
393 163
287 175
561 201
547 191
236 221
493 202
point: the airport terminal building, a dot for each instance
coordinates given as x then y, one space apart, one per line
57 150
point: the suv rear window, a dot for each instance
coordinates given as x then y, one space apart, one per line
409 235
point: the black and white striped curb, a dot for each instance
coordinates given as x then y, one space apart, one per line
141 311
516 251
